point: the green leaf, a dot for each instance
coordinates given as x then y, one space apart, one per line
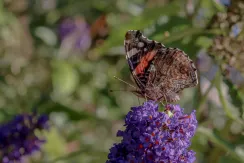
170 24
226 159
55 144
72 114
181 34
46 35
65 78
184 40
204 42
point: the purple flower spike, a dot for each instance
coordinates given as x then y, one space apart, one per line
17 137
152 136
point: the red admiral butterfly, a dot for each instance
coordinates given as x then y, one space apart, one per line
160 73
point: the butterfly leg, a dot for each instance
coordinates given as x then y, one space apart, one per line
162 103
145 96
138 100
165 99
161 99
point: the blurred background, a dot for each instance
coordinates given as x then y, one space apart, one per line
60 56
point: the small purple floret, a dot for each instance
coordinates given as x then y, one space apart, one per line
153 136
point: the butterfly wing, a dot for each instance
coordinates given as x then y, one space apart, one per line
174 72
140 53
159 72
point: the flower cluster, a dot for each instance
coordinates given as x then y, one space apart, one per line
18 138
75 32
153 136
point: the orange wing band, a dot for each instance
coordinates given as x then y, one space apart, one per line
144 62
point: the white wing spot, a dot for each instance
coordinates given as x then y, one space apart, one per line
140 44
132 52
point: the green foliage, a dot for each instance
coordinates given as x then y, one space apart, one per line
39 71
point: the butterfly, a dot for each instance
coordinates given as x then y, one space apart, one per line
160 73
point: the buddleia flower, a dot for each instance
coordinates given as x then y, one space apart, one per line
153 136
18 138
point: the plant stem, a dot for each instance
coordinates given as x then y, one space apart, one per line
204 98
213 137
197 7
227 110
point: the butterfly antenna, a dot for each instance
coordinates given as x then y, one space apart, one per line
125 82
